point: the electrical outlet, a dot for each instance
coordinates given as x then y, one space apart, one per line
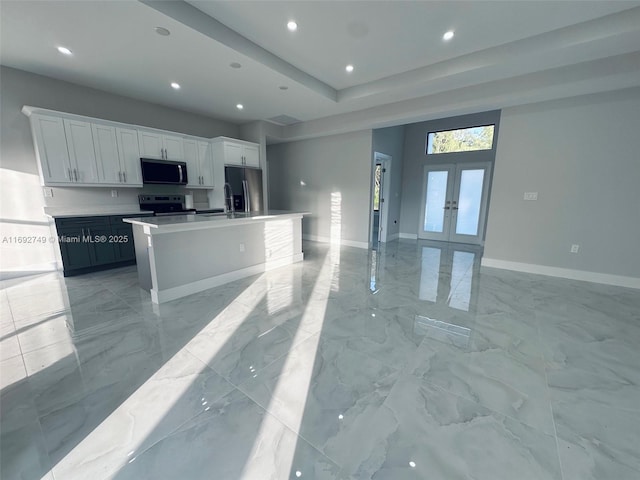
114 193
531 195
48 192
242 247
575 248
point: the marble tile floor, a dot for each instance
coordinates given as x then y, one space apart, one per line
410 362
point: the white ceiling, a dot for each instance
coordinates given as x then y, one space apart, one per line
568 47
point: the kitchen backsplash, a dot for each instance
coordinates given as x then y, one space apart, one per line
81 196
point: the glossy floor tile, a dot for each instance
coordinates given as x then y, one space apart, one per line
409 362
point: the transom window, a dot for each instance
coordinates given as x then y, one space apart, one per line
460 140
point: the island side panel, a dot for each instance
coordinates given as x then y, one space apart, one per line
141 243
186 262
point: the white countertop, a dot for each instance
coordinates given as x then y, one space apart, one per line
179 223
94 211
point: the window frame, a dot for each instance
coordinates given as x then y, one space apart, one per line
493 138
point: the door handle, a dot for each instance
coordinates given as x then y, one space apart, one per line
120 176
454 208
446 208
124 174
245 191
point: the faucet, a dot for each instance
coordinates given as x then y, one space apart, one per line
228 206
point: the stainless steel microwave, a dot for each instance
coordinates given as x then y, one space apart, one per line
163 172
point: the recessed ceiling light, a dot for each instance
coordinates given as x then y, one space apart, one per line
235 65
292 26
448 35
64 50
283 87
175 86
162 31
239 106
349 68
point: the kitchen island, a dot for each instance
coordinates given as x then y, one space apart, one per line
185 254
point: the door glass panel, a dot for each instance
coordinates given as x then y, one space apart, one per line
434 206
469 201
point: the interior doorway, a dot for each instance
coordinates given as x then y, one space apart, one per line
454 202
379 206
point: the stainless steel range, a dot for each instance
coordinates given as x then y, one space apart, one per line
173 204
165 204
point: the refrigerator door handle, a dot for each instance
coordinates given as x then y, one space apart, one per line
245 192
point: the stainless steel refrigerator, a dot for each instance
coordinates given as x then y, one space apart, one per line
246 188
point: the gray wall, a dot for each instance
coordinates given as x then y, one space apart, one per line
338 165
415 158
21 197
582 157
390 141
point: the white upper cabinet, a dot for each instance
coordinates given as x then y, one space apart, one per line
205 162
158 145
251 155
197 155
76 150
82 155
106 147
150 144
117 155
237 152
191 158
129 154
233 153
51 149
173 147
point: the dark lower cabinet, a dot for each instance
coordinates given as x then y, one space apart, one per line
89 244
75 253
124 249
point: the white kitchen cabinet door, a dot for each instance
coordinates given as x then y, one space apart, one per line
216 196
174 147
81 152
106 148
129 153
205 161
233 154
150 144
51 149
190 147
251 154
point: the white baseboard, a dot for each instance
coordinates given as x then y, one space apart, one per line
605 278
392 237
348 243
410 236
169 294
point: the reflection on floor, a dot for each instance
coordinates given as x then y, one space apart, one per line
409 362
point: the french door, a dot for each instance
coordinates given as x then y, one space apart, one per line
454 202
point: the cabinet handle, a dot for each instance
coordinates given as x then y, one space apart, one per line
75 174
120 176
201 180
124 174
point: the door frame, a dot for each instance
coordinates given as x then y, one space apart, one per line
384 160
453 191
